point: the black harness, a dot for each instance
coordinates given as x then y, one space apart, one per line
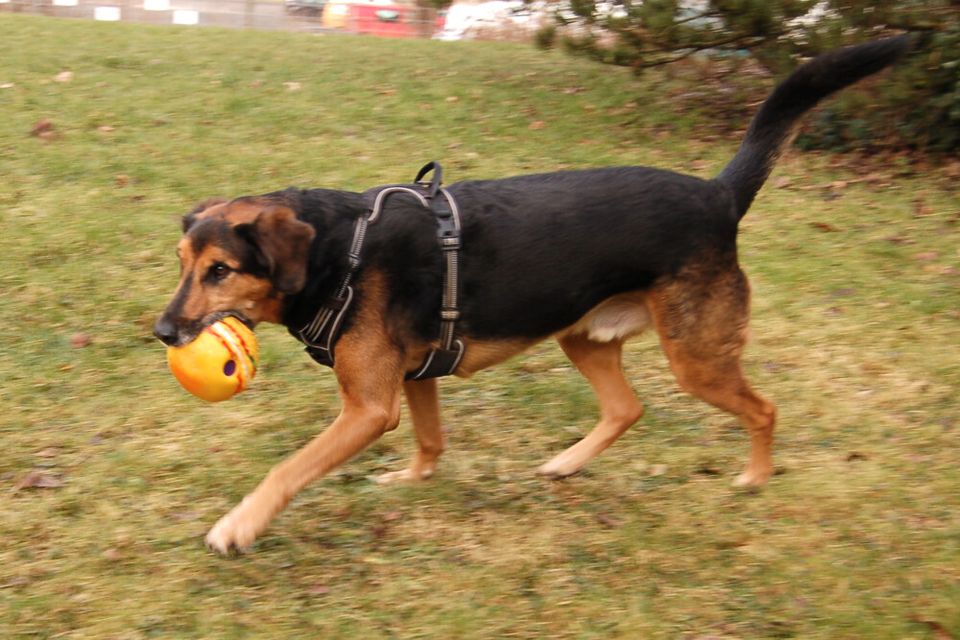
321 334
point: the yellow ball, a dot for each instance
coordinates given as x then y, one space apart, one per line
219 363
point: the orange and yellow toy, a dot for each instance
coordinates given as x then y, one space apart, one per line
219 363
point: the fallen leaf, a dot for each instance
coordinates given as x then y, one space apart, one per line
854 456
38 479
105 128
292 86
7 85
80 340
537 124
452 99
121 180
63 76
658 469
824 226
41 127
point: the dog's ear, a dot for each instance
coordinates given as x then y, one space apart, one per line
282 243
191 217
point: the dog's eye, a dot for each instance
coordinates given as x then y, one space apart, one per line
219 271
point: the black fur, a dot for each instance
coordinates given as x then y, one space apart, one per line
539 251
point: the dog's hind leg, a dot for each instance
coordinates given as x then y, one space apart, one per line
703 327
600 364
424 404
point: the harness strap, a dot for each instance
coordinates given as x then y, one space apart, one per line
444 360
321 334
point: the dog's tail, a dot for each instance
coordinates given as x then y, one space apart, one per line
773 126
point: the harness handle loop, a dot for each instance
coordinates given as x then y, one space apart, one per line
435 182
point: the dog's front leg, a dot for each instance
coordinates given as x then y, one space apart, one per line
371 406
424 403
351 432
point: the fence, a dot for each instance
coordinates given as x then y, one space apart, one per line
373 18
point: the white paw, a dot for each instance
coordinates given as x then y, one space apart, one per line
752 479
406 475
234 532
557 469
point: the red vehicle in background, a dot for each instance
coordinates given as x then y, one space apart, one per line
383 19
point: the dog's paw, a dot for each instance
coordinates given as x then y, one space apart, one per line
566 463
235 532
406 475
752 479
557 469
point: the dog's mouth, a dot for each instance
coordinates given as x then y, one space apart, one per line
188 332
217 316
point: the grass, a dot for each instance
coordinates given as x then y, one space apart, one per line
856 326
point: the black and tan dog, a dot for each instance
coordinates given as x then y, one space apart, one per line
591 258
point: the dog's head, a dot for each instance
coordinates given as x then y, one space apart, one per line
236 258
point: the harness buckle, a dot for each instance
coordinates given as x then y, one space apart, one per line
439 362
449 240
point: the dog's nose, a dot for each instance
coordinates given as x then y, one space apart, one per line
166 331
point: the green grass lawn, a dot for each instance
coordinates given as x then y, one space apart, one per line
856 336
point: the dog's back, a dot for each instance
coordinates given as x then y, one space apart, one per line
540 250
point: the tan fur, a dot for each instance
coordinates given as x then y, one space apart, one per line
253 296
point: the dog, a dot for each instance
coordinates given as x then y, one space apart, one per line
591 258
